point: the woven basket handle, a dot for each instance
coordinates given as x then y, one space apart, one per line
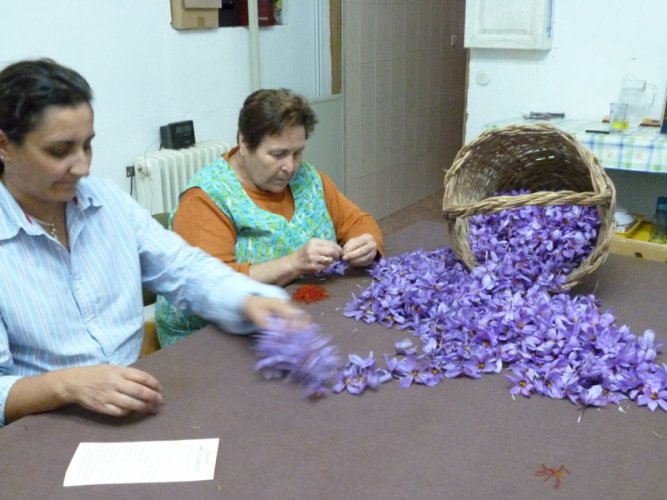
540 198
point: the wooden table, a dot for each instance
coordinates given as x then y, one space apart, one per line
461 439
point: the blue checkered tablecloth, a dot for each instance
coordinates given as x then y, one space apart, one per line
639 149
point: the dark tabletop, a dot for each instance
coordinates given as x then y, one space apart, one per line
463 439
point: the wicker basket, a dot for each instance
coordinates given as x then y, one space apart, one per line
550 163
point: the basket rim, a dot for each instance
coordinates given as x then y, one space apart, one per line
603 197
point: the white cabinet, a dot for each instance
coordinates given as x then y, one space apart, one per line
508 24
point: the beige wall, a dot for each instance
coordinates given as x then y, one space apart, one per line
325 147
404 88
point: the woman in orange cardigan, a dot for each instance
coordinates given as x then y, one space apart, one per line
264 211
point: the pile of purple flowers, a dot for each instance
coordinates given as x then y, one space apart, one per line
303 357
504 313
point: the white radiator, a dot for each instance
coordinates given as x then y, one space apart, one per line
162 175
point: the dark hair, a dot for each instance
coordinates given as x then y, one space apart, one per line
268 111
27 88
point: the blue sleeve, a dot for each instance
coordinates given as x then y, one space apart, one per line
6 362
191 279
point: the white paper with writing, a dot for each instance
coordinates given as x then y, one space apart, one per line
143 462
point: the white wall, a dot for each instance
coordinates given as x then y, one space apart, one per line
146 74
595 43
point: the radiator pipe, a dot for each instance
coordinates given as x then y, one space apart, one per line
253 26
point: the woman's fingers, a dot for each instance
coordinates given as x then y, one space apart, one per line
360 251
115 390
319 254
260 310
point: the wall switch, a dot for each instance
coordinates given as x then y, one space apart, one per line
482 78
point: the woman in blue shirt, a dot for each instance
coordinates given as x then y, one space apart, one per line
75 252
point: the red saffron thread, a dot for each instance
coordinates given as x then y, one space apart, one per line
552 472
310 293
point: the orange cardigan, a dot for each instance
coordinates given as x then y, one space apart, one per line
202 224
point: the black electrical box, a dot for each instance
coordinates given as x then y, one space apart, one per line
228 15
178 135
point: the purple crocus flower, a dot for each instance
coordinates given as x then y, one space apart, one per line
522 382
482 361
337 267
303 357
592 396
648 348
405 347
360 374
653 394
414 369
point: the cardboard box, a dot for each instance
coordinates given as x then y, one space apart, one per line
194 14
202 4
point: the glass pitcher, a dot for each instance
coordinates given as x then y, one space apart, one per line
639 96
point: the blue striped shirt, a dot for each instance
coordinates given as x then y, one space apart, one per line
62 308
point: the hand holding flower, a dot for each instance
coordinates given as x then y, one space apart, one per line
262 311
315 256
360 251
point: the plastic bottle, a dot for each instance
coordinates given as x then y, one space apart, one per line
659 233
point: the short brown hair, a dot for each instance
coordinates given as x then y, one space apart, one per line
268 111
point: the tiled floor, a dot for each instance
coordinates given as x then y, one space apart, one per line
429 208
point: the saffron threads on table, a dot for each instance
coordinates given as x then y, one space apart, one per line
552 472
307 294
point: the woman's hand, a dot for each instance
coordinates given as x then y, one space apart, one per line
360 251
108 389
315 256
259 310
112 390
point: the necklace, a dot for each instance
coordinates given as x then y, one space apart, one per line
49 226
